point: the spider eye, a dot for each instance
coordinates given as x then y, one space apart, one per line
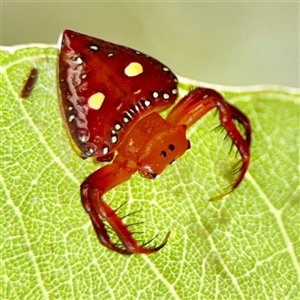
163 153
171 147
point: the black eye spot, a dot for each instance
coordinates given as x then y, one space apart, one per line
171 147
163 153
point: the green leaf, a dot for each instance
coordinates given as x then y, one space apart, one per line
245 246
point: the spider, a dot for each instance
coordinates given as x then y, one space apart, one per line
110 99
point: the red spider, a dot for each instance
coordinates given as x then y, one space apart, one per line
110 97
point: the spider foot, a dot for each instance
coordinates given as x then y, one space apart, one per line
105 220
159 246
236 169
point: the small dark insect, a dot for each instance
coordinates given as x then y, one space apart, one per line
29 84
110 99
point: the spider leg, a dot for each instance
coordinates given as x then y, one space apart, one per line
199 102
92 190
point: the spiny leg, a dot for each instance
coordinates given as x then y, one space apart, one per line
199 102
92 190
243 120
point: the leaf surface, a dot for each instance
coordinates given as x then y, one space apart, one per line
245 246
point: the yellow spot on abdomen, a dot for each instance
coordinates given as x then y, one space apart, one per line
133 69
96 101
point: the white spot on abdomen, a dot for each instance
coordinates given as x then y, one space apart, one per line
166 96
78 60
155 95
94 47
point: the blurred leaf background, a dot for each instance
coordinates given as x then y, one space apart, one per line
232 43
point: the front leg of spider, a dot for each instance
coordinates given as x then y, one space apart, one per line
199 102
92 190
